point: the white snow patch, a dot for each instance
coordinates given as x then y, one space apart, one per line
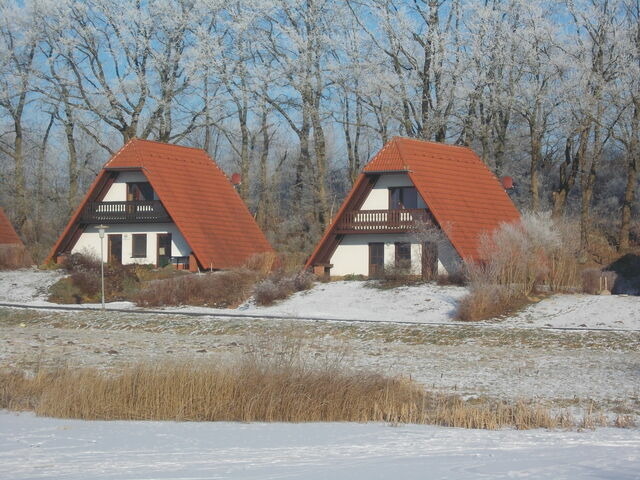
32 447
355 300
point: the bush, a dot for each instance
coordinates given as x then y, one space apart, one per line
395 276
84 282
280 286
489 301
216 289
519 259
14 256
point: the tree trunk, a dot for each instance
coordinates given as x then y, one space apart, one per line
633 150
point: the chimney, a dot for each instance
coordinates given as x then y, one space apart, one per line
236 179
507 183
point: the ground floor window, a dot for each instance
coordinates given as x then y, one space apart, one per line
139 245
403 255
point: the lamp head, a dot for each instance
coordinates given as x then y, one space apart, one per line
101 229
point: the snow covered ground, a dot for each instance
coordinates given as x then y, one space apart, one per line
32 447
429 304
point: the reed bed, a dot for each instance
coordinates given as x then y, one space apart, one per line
254 391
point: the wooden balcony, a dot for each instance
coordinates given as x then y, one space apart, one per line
381 221
143 211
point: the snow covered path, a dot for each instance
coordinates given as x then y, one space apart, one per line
32 448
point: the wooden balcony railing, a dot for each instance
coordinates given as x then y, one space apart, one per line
381 221
143 211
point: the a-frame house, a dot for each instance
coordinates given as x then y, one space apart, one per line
163 204
410 187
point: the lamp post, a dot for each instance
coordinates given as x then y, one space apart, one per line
101 229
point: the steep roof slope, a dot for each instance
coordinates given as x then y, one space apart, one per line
205 207
7 234
464 196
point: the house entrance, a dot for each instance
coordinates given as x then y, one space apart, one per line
164 249
376 260
114 249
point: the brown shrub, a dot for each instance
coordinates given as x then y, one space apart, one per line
14 256
84 282
216 289
279 286
254 391
489 301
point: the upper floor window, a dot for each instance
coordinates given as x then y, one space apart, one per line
139 191
403 197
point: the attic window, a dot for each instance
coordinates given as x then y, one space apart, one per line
403 197
139 191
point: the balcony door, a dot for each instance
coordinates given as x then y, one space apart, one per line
164 249
376 260
114 249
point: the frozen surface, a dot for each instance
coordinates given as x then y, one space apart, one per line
426 303
32 447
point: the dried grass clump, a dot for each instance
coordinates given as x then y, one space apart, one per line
254 390
14 256
279 286
518 260
216 289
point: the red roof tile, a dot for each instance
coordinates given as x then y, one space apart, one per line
205 207
465 197
7 234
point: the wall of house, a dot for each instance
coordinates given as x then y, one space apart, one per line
118 190
378 198
351 257
89 241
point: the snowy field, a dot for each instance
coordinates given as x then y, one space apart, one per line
428 304
34 448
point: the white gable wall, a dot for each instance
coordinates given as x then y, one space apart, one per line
89 241
351 257
378 198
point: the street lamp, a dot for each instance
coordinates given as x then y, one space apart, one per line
101 229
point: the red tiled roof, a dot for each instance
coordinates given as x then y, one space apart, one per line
465 197
7 234
205 207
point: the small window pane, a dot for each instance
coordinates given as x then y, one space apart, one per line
139 246
403 255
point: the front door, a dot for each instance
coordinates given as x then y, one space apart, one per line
114 252
164 249
429 261
376 259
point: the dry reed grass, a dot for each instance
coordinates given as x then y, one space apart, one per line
254 390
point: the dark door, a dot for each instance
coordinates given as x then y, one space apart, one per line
115 249
376 259
164 249
429 261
